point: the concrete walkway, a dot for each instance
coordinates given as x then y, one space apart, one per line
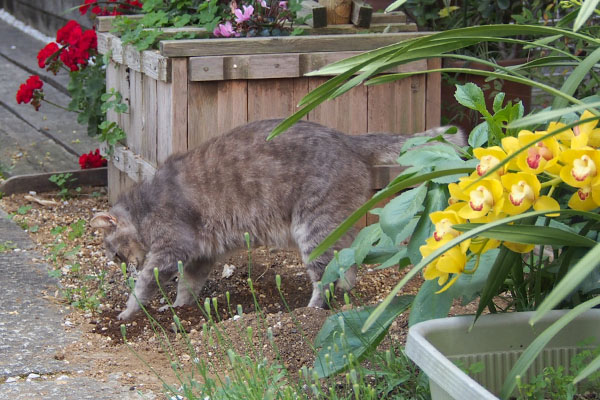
34 331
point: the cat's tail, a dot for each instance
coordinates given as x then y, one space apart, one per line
382 148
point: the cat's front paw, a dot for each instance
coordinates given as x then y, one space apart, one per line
126 315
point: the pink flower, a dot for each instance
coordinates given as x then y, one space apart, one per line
263 4
241 17
225 30
283 4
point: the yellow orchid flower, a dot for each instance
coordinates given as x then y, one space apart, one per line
510 145
483 196
452 261
579 136
443 221
488 159
583 199
542 156
522 190
580 166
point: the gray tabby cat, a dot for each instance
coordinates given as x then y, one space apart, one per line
293 190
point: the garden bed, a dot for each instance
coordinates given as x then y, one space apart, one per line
192 90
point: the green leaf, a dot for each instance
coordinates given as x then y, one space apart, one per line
535 348
479 135
569 282
337 267
528 234
364 240
498 100
575 78
400 210
429 305
471 96
426 156
341 336
587 9
592 367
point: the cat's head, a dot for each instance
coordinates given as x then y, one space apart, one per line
121 238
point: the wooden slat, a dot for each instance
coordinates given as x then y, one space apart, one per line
433 106
273 98
341 29
132 58
361 14
156 66
124 89
215 108
103 40
116 48
345 113
104 23
112 82
383 112
149 137
173 112
317 12
282 44
244 67
388 18
419 96
272 66
338 11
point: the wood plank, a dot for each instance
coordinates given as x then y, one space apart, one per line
116 47
132 58
271 98
105 23
341 29
388 18
345 113
136 112
156 66
163 120
244 67
338 11
316 11
215 108
361 14
172 115
112 82
281 44
103 41
41 183
419 97
433 106
179 106
149 137
124 89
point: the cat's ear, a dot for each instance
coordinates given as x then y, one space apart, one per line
104 220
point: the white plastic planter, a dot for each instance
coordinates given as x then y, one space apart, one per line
495 340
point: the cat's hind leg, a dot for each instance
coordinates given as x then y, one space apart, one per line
189 285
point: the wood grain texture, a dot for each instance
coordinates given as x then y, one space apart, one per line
215 108
244 67
317 12
433 103
345 113
112 82
281 44
150 131
136 112
179 105
338 11
361 14
274 98
163 121
388 18
124 89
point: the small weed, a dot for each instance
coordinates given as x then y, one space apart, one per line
63 181
23 210
77 229
7 246
57 230
34 228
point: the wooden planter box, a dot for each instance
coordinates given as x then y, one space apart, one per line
192 90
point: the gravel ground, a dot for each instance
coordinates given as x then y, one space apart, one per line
96 290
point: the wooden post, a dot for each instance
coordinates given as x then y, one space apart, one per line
361 14
338 11
317 12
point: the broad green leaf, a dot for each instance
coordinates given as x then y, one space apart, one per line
571 280
396 186
528 234
429 305
587 9
479 135
427 156
498 101
471 96
364 240
551 115
337 267
535 348
341 336
399 258
400 210
469 286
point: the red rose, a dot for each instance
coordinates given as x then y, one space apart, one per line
84 8
92 160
